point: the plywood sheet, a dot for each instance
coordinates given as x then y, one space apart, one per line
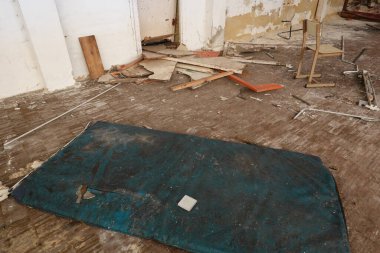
162 69
194 75
136 71
152 56
221 63
195 68
92 56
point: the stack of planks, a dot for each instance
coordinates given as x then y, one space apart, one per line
201 68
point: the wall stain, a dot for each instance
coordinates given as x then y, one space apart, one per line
245 27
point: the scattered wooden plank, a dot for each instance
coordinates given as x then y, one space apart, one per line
220 63
238 48
154 48
152 56
162 50
194 75
131 64
162 69
175 52
92 56
257 87
201 81
319 85
263 62
195 68
148 40
208 53
136 71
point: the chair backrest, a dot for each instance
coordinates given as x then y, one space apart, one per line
312 28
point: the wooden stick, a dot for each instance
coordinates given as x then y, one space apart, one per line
131 64
200 81
59 116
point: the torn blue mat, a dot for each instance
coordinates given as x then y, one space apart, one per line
250 198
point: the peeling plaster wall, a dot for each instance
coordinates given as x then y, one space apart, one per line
246 18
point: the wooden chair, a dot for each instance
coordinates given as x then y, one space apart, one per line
313 28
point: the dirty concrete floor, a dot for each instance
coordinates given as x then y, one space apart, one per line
349 147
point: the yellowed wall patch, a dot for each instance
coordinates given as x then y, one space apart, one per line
244 27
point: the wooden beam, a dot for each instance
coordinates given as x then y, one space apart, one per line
195 68
219 63
92 56
201 81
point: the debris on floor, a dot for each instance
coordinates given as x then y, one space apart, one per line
219 63
156 39
161 69
371 102
160 61
106 78
4 192
187 203
201 81
194 75
365 118
92 56
263 62
241 48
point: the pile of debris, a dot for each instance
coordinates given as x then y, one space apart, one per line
160 61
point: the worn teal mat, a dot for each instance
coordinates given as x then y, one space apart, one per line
250 198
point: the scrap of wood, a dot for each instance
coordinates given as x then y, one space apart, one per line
258 87
154 48
319 85
155 39
195 68
129 65
220 63
194 75
136 71
175 52
262 62
162 50
237 48
370 90
162 69
152 56
207 53
201 81
92 56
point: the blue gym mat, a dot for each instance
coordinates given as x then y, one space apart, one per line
250 198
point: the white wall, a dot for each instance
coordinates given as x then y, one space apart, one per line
156 17
202 23
45 32
19 70
114 24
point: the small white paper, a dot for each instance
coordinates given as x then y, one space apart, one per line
187 203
